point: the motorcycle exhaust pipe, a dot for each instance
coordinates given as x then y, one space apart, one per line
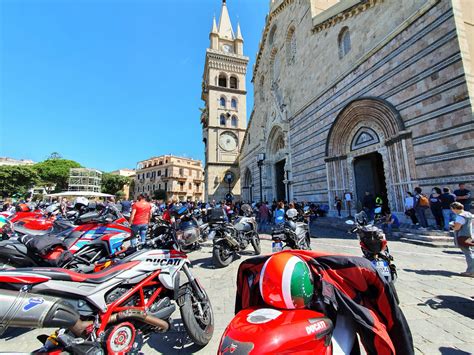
29 310
140 316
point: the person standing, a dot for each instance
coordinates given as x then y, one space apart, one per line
463 235
435 206
338 205
410 207
421 204
140 217
126 207
463 196
279 213
264 213
368 203
447 198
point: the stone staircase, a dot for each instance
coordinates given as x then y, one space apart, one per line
427 237
406 233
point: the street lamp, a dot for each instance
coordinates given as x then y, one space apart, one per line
260 160
229 178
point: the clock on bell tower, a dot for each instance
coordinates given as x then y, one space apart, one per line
224 118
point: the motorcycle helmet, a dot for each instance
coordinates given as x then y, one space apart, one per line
286 282
52 209
81 203
291 213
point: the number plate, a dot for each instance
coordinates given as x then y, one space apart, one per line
277 246
383 267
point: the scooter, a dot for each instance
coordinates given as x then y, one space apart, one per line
113 311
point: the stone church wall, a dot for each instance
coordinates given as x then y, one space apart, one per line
405 53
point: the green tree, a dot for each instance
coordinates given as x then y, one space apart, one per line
17 179
54 172
159 195
113 184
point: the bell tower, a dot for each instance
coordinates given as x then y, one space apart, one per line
224 118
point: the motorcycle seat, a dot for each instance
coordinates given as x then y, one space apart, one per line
27 231
59 274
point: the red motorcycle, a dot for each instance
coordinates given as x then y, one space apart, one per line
97 236
271 331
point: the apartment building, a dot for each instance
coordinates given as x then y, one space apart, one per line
181 178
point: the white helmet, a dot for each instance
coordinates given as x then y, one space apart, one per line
81 202
292 213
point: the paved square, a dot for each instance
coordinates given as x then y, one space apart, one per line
438 304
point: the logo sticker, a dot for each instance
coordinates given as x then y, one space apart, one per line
316 327
263 315
33 302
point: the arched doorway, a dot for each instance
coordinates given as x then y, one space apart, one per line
277 164
368 149
248 186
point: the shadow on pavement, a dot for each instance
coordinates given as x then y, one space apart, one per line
453 252
175 341
451 351
433 272
12 333
461 305
205 263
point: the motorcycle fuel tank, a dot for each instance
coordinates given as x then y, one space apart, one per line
242 225
273 331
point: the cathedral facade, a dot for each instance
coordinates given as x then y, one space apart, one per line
360 95
224 117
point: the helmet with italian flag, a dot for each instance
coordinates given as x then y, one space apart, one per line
286 281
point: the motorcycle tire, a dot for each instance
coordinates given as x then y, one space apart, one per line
256 244
200 331
219 256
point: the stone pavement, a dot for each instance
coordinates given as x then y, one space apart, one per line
438 304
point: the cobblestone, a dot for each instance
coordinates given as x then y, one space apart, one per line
437 302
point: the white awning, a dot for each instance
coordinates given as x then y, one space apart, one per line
79 193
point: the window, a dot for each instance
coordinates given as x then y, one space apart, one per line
248 137
222 80
261 87
222 102
190 185
159 172
166 172
291 46
233 104
153 187
181 172
181 186
166 186
222 120
159 186
234 121
275 66
271 36
233 82
344 42
148 175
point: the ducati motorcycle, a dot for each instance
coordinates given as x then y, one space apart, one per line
230 238
374 247
293 233
113 311
81 247
277 331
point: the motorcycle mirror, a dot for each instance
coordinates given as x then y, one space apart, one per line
350 222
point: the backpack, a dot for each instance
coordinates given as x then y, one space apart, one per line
424 202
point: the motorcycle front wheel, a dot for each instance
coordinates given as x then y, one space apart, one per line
221 254
256 243
198 318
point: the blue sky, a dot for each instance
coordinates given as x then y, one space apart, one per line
109 82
